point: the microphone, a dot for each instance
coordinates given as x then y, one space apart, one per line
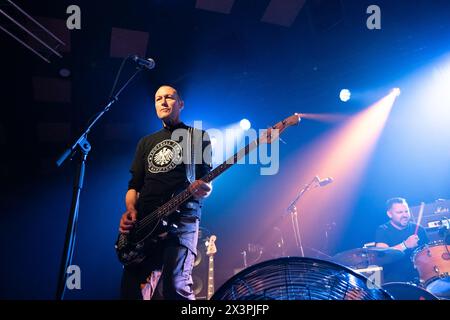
146 63
324 182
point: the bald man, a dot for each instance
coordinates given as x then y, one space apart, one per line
158 172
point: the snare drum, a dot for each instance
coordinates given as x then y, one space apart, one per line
407 291
432 261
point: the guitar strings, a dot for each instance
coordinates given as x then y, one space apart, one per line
183 196
177 200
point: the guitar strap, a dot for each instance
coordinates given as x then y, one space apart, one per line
190 165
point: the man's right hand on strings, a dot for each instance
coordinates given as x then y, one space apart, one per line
127 221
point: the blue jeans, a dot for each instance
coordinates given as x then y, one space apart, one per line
176 262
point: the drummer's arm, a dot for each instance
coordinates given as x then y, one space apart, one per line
400 246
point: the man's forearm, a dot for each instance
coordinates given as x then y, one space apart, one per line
131 199
400 246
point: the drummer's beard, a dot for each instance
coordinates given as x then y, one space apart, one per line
402 223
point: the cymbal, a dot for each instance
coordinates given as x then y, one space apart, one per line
368 256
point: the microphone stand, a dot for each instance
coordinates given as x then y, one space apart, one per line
280 244
328 227
292 210
83 146
244 256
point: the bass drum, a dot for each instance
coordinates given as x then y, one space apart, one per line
407 291
432 261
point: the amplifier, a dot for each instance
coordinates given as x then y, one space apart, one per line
435 219
435 214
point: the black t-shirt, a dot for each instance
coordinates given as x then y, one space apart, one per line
158 173
402 270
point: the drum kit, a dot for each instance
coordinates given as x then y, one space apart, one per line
432 262
364 257
312 275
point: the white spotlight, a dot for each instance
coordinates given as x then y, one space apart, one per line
396 92
345 95
245 124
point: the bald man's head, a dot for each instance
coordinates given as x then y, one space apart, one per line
168 105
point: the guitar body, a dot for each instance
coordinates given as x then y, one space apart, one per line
129 251
210 252
134 247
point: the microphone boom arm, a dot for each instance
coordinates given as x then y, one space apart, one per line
301 193
292 209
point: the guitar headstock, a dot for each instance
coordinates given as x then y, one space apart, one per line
211 249
273 133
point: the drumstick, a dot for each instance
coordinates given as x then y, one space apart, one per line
419 218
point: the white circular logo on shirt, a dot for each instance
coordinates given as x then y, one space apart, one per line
164 157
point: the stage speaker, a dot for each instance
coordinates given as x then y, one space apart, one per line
200 274
200 270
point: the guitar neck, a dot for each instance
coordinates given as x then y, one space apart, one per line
171 205
210 277
179 199
230 161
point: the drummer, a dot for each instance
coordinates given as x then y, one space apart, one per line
399 233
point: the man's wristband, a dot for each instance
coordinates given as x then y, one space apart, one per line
404 246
